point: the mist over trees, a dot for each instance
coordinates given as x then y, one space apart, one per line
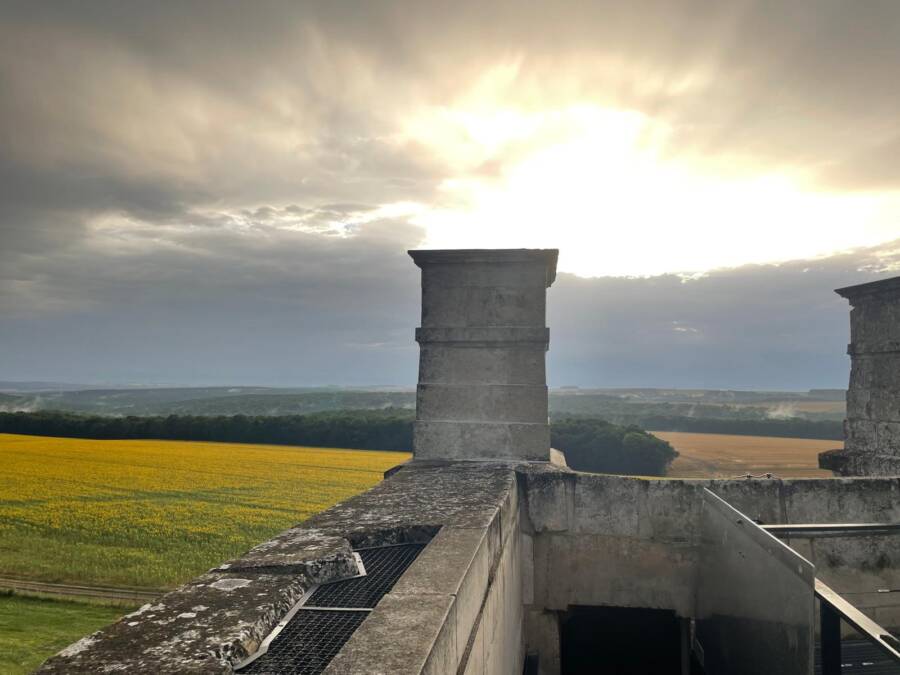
590 444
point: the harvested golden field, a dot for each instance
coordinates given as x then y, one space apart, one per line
725 455
154 513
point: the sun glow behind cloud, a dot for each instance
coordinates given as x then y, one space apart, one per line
599 184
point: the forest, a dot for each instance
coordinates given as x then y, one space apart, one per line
590 443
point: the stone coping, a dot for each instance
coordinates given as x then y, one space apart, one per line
489 255
889 287
221 617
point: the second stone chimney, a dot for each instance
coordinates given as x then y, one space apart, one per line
872 427
482 391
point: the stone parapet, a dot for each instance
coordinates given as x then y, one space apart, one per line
456 608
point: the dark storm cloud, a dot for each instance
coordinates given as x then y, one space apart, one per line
342 311
269 307
191 191
778 326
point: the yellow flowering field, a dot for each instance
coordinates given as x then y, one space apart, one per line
154 513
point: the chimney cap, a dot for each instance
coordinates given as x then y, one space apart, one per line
488 255
882 287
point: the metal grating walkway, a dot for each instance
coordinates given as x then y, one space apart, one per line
861 657
384 565
307 644
318 626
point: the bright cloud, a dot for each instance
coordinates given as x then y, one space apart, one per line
598 184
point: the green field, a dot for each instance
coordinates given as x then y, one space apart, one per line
155 513
31 629
146 514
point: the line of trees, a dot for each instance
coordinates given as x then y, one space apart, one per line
363 429
590 444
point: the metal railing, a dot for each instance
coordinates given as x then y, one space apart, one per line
832 610
823 530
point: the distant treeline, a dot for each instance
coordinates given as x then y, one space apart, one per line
363 429
590 443
792 427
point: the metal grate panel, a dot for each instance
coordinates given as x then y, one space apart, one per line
384 566
319 625
307 644
861 656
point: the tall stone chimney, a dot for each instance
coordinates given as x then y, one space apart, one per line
872 427
482 390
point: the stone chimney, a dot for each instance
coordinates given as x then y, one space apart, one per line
482 390
872 427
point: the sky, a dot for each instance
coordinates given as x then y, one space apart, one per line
224 193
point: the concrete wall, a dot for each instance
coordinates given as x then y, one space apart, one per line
457 608
633 542
515 545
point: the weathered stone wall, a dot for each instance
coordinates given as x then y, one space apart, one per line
482 391
513 545
872 427
634 542
457 607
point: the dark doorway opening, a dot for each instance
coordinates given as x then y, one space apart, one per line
620 641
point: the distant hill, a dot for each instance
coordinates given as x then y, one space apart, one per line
206 401
619 406
828 394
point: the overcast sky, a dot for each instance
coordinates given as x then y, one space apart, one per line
218 193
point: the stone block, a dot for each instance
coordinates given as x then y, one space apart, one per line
482 365
526 553
482 402
858 403
887 438
550 500
404 634
606 504
306 549
457 564
841 500
502 269
669 511
483 306
475 661
504 644
861 373
885 371
624 572
882 405
510 337
860 434
444 656
206 626
481 440
759 499
542 636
